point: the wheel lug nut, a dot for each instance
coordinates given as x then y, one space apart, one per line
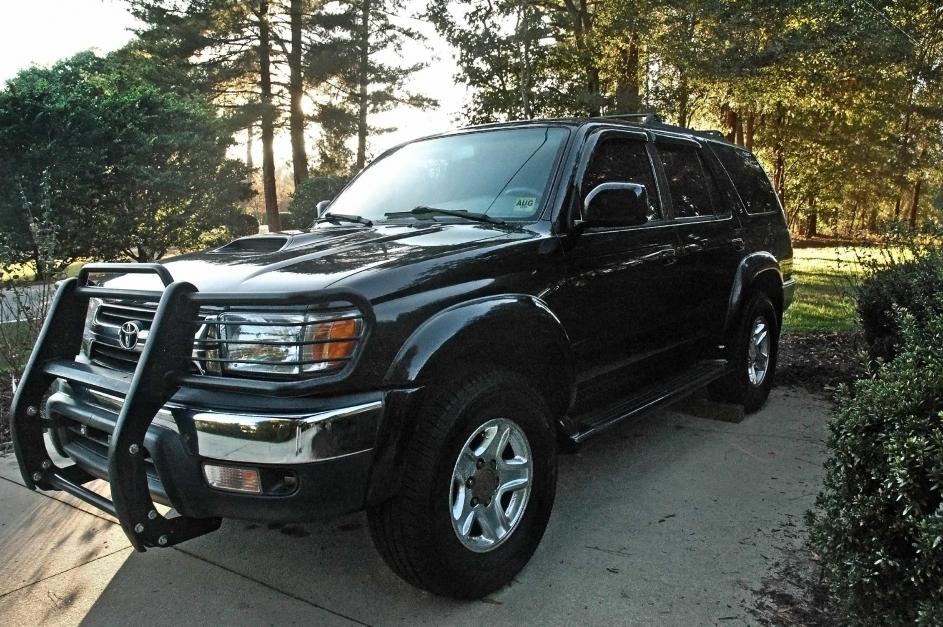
470 482
474 502
480 463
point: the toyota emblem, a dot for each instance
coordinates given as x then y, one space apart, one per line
128 335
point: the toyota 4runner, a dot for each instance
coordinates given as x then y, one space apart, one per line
469 305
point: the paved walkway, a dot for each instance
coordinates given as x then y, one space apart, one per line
668 520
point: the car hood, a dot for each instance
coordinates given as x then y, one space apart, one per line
314 260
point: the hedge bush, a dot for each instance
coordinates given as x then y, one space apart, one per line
879 520
916 286
314 189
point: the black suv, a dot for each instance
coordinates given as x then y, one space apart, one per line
471 304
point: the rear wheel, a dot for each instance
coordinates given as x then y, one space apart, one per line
477 492
753 356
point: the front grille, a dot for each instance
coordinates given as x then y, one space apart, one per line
105 349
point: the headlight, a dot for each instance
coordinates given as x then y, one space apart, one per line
246 343
87 335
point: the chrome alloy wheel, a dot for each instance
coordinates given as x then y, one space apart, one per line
758 351
491 484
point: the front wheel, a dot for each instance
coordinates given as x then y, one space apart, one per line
478 488
753 357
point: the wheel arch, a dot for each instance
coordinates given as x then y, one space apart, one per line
759 271
516 332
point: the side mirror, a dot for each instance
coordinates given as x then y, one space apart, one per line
322 207
616 204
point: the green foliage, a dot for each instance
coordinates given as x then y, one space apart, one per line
131 170
879 520
843 101
313 190
915 286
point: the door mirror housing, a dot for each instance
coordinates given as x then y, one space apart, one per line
322 207
616 204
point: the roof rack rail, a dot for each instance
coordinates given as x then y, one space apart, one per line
652 119
642 118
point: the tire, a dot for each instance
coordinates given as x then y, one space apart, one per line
414 532
745 385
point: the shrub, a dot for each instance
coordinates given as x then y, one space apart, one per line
26 289
314 189
879 520
915 285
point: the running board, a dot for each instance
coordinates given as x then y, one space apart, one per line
652 397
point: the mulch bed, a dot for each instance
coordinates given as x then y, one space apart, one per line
794 594
820 362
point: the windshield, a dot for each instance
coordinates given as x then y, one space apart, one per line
502 173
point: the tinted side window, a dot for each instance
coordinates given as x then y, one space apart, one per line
748 177
693 191
619 160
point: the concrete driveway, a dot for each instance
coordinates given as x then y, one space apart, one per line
668 520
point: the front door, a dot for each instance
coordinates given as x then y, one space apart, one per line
620 298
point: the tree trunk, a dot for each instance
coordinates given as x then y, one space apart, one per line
523 35
363 79
812 224
812 220
915 204
738 132
250 131
731 122
900 199
873 219
628 96
268 121
683 97
750 131
299 157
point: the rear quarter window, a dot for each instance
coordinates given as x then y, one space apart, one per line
748 177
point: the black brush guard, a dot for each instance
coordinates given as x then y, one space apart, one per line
163 366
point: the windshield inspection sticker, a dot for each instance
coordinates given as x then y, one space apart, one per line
525 204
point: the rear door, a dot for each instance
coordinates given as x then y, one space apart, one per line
710 235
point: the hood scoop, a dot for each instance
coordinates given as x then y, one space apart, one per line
254 244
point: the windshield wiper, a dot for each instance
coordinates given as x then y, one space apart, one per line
344 217
435 211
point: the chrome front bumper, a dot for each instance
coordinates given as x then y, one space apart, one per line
254 438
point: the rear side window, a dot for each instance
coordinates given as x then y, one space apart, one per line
748 177
693 190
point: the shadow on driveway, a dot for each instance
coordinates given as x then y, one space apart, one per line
670 519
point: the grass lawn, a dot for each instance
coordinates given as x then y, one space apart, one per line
825 297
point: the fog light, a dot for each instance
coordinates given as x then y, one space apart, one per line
233 478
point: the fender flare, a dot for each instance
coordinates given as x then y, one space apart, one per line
759 267
520 320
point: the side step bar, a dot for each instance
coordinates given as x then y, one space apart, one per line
658 395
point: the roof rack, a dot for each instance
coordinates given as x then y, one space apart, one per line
652 119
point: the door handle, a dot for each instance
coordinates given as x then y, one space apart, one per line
737 243
668 256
